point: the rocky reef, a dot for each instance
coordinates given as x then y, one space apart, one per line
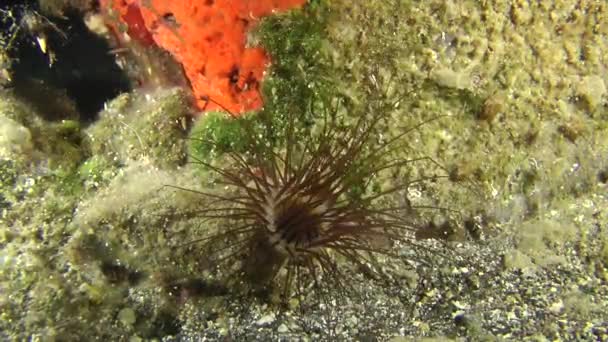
509 97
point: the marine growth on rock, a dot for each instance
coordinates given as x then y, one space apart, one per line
209 39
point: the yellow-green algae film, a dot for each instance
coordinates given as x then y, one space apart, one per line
513 97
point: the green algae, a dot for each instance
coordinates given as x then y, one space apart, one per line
217 133
300 74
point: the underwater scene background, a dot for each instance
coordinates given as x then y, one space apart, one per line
304 171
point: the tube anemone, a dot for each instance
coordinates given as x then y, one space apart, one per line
289 217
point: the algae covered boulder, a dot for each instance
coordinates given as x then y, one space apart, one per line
60 191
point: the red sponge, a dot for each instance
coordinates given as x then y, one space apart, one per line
208 37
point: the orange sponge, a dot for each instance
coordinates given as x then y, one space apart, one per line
208 37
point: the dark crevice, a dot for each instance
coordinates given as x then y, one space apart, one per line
72 76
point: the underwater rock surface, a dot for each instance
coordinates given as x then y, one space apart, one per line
90 234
